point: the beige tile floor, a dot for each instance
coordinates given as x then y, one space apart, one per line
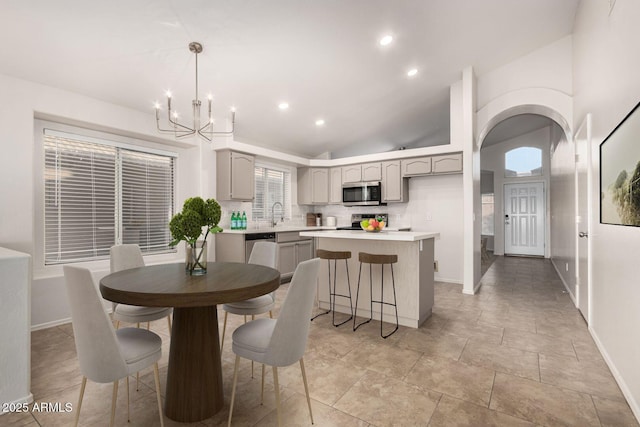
516 354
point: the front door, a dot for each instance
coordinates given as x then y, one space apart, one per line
524 213
583 183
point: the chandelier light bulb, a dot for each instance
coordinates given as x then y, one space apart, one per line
412 72
210 97
168 94
175 114
156 105
233 109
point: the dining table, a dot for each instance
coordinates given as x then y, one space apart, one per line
194 389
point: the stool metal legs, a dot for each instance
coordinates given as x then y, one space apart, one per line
333 294
381 301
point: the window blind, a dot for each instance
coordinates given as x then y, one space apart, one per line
271 186
98 195
147 200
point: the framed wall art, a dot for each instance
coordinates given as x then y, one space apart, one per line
620 173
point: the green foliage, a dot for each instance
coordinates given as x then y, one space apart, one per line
196 214
626 196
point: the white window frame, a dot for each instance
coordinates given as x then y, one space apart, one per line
40 269
287 196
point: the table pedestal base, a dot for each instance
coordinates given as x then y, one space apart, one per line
194 380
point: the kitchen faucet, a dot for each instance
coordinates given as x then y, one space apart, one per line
273 215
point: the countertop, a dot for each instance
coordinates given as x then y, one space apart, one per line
395 236
278 229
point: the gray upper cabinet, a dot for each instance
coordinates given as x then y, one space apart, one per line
335 186
234 175
371 172
416 167
449 163
394 186
361 173
432 165
351 173
313 186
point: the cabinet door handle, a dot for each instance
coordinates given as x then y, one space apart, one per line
583 234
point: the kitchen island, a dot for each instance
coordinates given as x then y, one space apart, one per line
413 272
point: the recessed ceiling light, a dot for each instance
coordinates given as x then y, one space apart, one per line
412 72
384 41
320 122
283 105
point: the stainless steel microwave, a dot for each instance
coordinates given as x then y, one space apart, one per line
362 194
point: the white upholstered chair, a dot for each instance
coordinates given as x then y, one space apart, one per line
280 342
124 257
263 253
107 355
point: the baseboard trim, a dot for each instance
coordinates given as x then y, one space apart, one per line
633 404
566 286
51 324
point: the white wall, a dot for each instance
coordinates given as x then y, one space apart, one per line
548 67
563 214
492 158
438 197
19 229
606 84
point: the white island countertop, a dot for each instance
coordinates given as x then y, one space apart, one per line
393 236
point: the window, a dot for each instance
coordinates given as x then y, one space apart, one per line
523 161
272 186
487 215
98 194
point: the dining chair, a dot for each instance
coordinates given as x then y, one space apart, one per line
105 354
280 342
263 253
124 257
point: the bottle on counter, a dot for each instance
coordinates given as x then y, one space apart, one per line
244 220
234 221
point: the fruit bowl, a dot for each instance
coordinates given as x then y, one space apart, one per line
372 225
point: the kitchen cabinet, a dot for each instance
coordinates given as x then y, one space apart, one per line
230 247
371 172
432 165
394 186
416 167
351 174
361 173
449 163
335 186
234 176
313 186
292 250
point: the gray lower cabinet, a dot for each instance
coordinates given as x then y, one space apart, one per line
230 247
292 250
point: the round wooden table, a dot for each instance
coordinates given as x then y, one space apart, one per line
194 379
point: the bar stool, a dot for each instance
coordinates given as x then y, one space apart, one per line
370 259
335 256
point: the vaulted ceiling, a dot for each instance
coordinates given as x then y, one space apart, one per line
321 57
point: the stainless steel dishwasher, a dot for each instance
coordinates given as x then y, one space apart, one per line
251 238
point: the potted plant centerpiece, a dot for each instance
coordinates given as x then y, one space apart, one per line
188 224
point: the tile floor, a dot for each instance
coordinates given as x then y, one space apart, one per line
516 354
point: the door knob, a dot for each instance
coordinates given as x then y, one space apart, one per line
583 234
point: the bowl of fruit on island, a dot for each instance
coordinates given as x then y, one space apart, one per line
372 225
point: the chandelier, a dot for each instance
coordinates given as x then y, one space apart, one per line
180 130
